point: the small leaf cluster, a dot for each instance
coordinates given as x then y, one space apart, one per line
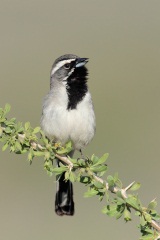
19 138
88 172
122 206
146 216
85 171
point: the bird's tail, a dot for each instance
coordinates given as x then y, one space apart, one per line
64 204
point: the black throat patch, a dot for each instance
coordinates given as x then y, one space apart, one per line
77 87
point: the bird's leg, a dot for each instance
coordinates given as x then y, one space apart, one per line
82 156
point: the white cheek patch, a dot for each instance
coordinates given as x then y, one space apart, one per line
69 74
60 64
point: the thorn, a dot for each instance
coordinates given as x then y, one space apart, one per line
154 200
129 186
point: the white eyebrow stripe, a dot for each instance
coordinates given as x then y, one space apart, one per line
60 64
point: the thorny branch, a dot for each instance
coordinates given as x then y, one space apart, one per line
123 191
24 139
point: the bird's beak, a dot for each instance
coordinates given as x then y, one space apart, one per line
80 62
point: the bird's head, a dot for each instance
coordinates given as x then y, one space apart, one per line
68 69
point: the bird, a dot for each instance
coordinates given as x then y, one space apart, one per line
68 115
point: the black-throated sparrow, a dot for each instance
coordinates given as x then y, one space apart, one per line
68 114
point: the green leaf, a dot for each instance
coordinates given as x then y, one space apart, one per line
18 146
21 138
102 190
20 129
84 179
81 162
12 148
74 161
98 168
119 214
69 145
110 180
66 149
2 120
107 196
120 200
5 146
36 130
115 177
102 159
66 175
12 121
62 164
27 125
45 140
59 169
8 130
135 186
137 213
156 217
117 181
148 217
133 201
72 177
48 166
142 221
148 230
1 111
7 108
47 155
148 237
1 131
127 215
94 159
46 163
152 205
30 155
111 210
23 151
49 173
105 210
91 192
39 153
62 151
98 184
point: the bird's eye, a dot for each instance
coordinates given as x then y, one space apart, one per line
67 66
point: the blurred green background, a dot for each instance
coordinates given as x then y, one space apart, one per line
122 40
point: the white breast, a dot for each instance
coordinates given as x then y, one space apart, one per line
77 125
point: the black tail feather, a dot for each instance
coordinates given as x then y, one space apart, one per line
64 204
